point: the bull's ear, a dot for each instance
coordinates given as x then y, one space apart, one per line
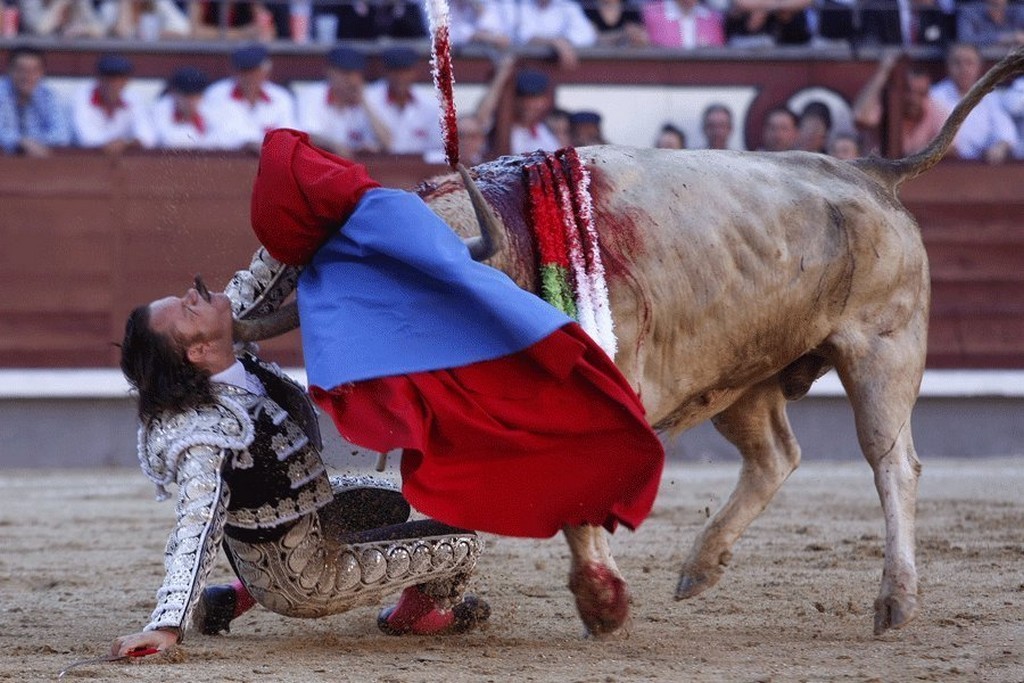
491 238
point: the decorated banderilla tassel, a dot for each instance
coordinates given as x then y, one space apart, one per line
444 77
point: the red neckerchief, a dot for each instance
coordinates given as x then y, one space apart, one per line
237 94
196 120
108 110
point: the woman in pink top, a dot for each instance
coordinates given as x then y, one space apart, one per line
683 24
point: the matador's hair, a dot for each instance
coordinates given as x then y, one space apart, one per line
159 370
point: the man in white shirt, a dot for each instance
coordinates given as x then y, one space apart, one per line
411 115
246 105
480 23
532 102
104 115
333 111
180 116
988 132
1013 101
558 24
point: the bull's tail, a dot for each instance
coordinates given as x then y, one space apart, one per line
894 172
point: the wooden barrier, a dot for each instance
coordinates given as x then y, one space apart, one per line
972 220
85 238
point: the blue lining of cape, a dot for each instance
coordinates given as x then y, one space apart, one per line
395 291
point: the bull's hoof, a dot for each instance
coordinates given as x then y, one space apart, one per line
693 583
894 612
602 599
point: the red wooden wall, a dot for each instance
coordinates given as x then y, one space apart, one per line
80 247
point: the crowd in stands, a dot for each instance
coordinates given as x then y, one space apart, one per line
563 26
349 115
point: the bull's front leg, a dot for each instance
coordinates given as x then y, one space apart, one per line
602 595
757 425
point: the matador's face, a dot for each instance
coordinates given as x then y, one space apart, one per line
192 318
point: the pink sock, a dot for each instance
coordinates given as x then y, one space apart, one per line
243 599
418 613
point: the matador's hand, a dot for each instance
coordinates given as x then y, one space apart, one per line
159 639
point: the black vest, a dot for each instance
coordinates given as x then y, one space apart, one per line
281 476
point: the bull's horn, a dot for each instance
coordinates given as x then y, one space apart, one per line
491 239
275 323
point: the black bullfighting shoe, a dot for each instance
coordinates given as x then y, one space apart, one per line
219 606
417 614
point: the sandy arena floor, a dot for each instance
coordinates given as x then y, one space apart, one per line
81 553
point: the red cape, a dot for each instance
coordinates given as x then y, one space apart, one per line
519 446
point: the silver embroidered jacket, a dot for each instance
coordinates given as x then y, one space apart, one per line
269 445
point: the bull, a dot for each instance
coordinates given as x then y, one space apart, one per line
736 279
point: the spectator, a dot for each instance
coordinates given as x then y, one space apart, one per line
670 137
557 121
32 118
105 115
992 22
618 23
557 24
1013 102
907 22
585 129
684 24
61 18
243 20
479 22
375 20
832 22
532 104
988 132
146 19
922 115
180 117
412 118
886 22
765 23
475 128
845 145
716 124
334 113
247 104
933 22
779 132
814 127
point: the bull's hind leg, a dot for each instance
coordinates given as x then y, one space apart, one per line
758 426
602 596
882 376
